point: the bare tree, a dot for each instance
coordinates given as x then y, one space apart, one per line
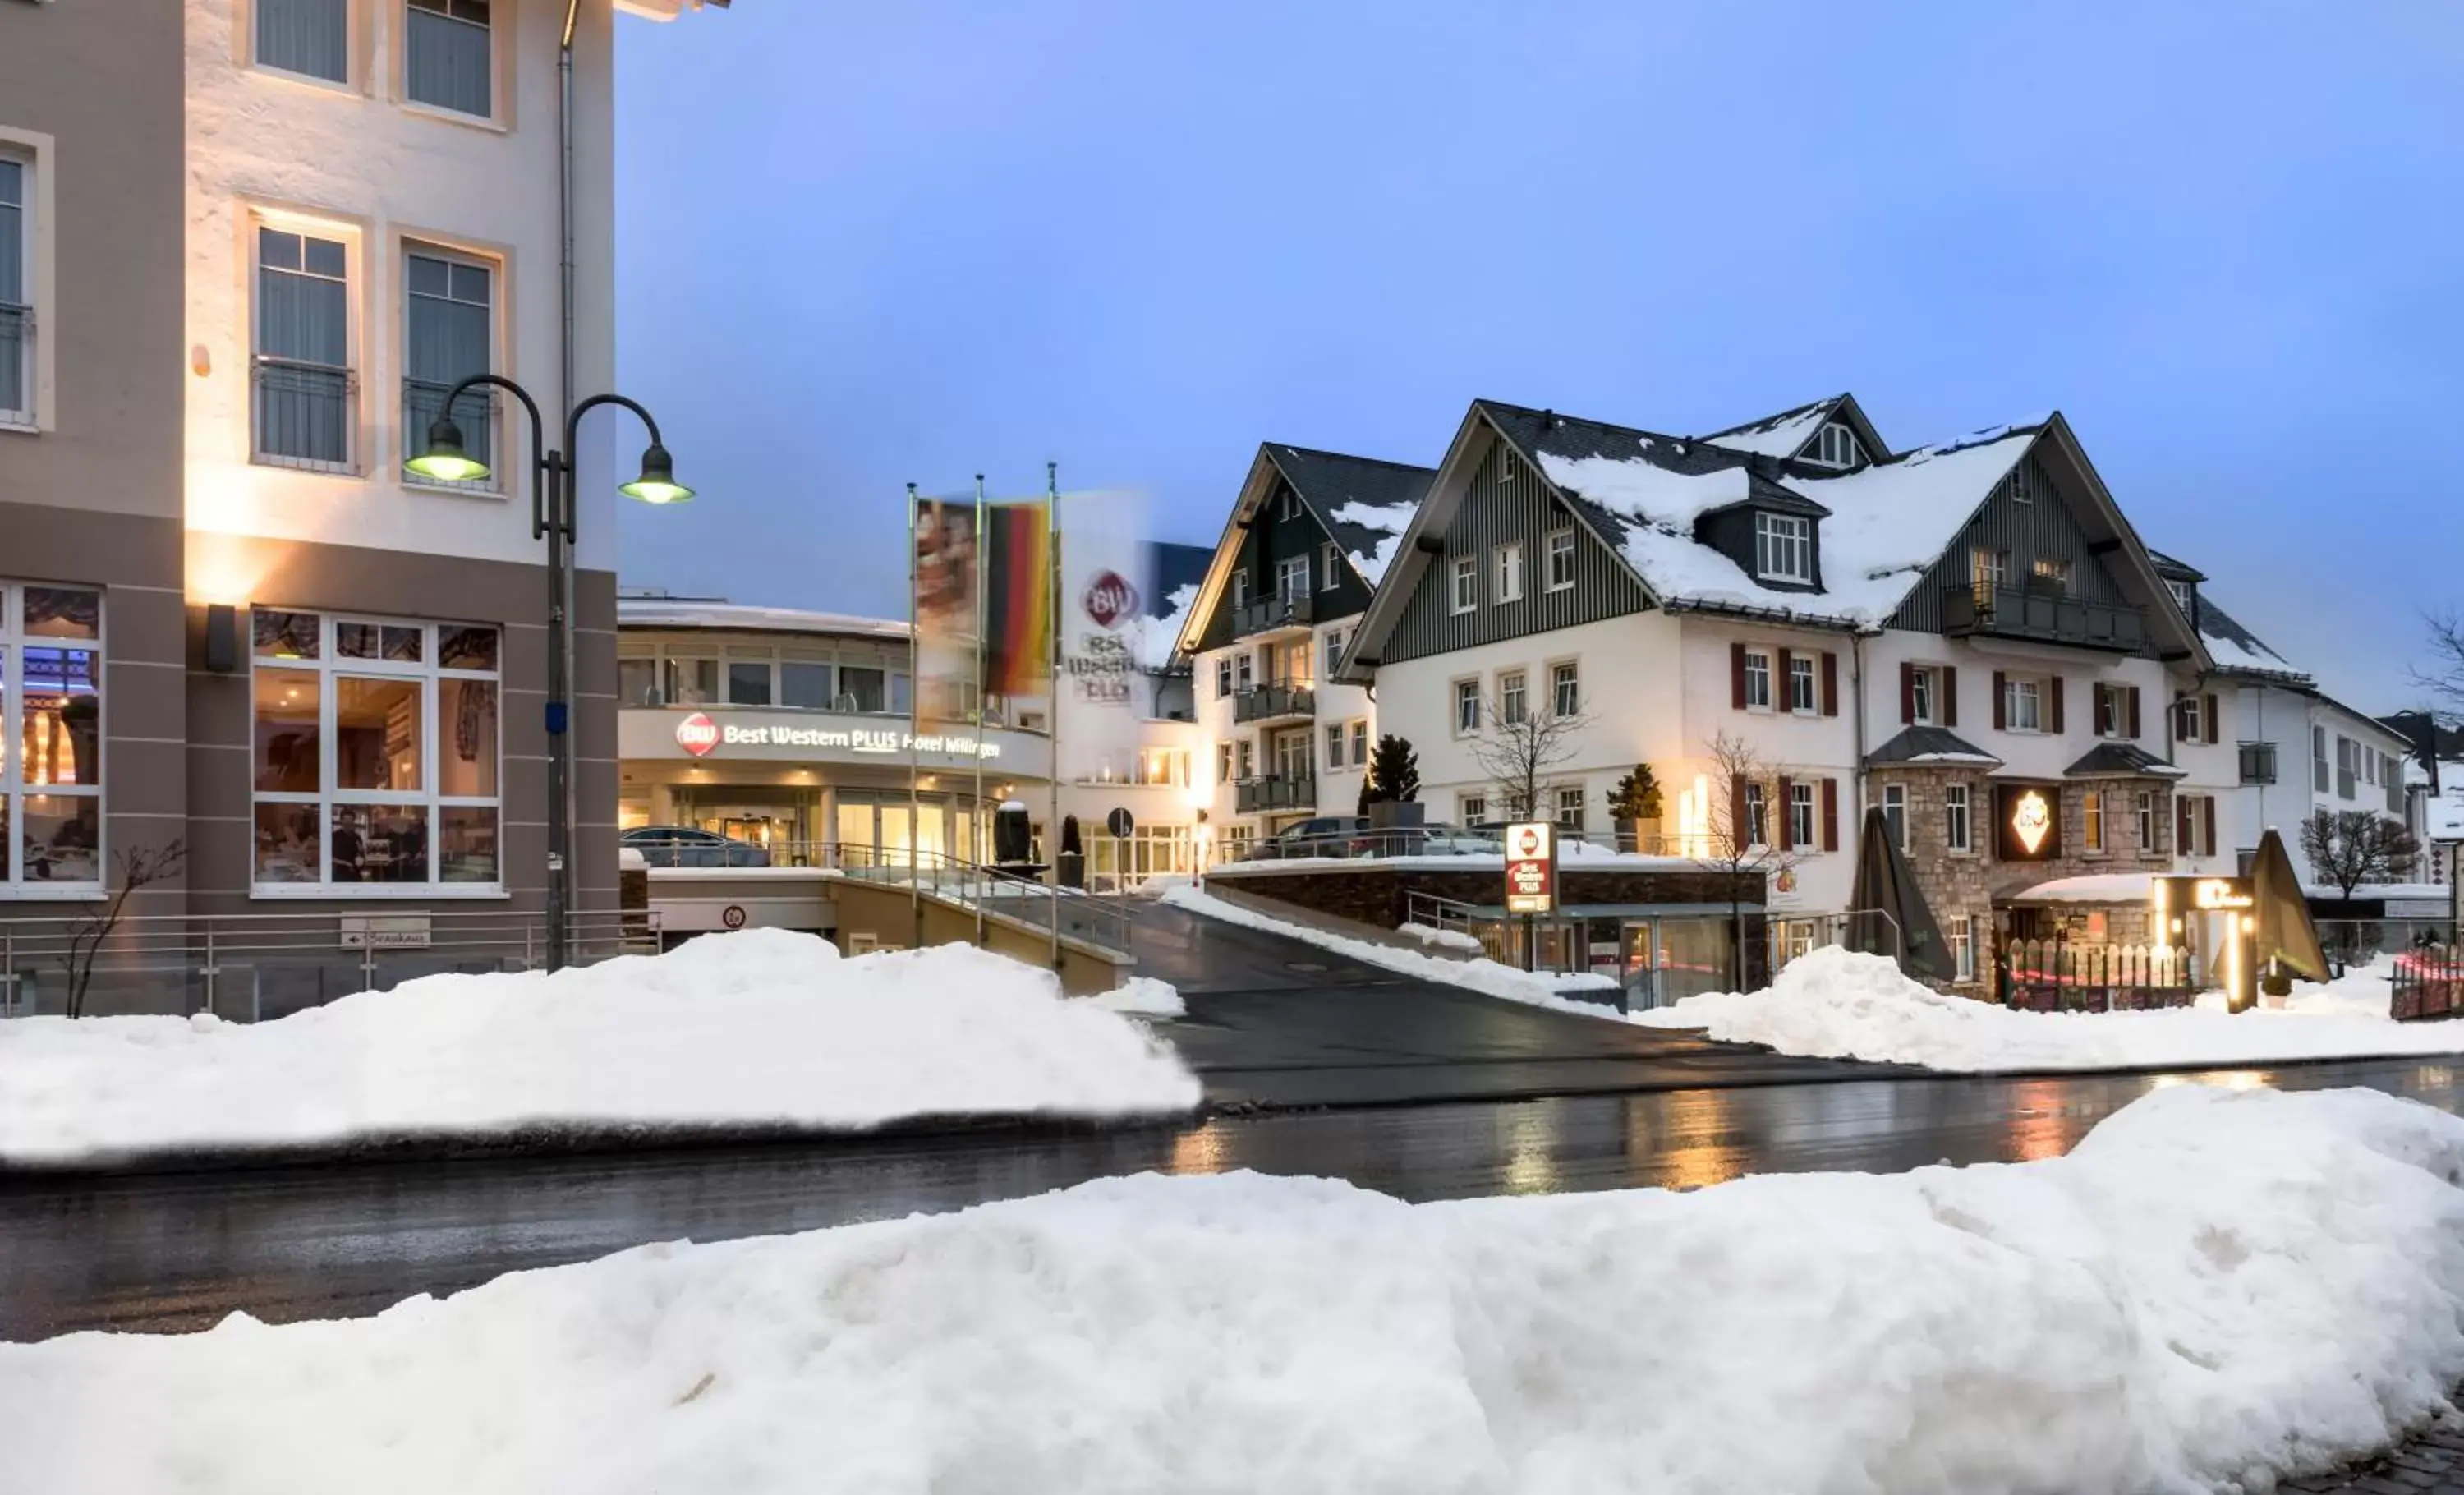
138 868
2443 677
1740 835
2351 847
1520 749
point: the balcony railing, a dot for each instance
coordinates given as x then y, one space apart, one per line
307 414
423 402
1269 702
16 362
1277 792
1272 614
2015 613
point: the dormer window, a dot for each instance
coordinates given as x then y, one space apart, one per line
1783 547
2020 492
1836 446
2181 592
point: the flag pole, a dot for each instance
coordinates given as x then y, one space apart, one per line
915 720
975 839
1052 672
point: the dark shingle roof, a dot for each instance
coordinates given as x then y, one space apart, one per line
2121 759
2217 624
1329 480
1920 745
1781 435
2174 569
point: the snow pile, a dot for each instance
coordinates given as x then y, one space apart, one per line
1144 997
1437 938
1838 1004
2212 1289
1534 988
764 1028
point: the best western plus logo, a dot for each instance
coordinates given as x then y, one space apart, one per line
697 734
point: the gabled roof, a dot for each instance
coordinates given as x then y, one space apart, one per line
1363 504
2238 651
1930 746
2120 760
1787 433
2172 569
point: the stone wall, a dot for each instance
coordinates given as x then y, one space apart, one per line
1375 893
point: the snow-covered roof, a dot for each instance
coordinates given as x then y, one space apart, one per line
1387 522
711 612
2443 812
1364 503
2236 649
1781 435
2095 888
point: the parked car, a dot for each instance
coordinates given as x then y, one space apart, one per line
1321 835
1436 838
683 846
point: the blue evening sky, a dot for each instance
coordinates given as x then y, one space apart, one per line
864 244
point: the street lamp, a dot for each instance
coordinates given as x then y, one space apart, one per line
444 460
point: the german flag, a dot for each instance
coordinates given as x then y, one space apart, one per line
1018 599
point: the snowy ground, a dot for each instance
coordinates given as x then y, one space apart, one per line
758 1029
2214 1288
1143 996
1437 938
1834 1004
1541 989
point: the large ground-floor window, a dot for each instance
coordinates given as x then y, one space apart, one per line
50 735
376 752
1150 851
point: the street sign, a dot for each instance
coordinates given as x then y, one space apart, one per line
1532 867
1121 822
733 916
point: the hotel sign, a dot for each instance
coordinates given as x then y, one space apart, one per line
1532 867
2028 822
701 736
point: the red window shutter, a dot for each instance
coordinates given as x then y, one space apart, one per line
1950 695
2053 688
2209 715
1741 832
2207 826
1787 819
1998 700
1907 693
1830 685
1783 684
2134 713
1829 811
2181 824
1737 676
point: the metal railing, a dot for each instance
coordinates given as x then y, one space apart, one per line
307 414
1266 702
2426 983
1010 895
2028 613
1440 839
1270 614
1276 792
479 415
2059 976
246 967
16 361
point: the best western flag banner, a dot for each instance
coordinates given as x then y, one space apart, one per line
948 574
1018 600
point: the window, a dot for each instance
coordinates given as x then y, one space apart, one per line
376 752
16 292
1513 697
1565 688
1471 808
1986 570
1800 683
1333 651
1835 444
1223 677
1291 577
1244 669
1561 560
1923 682
446 57
2181 592
2144 810
1570 809
449 333
804 684
1467 707
1508 565
1224 763
2021 702
1757 828
2188 727
1801 816
2051 575
1962 948
864 687
51 739
2092 821
306 412
2258 763
1333 745
1466 583
2108 709
309 37
1360 742
1783 547
2194 824
1288 505
2319 759
1957 834
2348 759
1249 758
692 682
1895 814
1758 680
2022 490
1329 567
637 683
748 682
1504 465
1241 589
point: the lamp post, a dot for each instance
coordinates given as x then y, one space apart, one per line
444 459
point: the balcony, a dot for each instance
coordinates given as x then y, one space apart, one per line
1276 792
1274 615
1274 703
2009 612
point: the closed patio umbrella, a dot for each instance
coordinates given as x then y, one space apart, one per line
2285 934
1887 913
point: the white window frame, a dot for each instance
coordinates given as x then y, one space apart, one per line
1962 948
1329 566
1925 692
1360 742
1466 703
352 40
14 641
2092 831
1288 505
1505 572
1805 834
1333 651
1895 814
1958 819
354 338
2198 845
1569 808
1757 826
1465 581
1223 677
2022 490
1835 445
2023 691
1560 547
1224 761
1566 687
1783 547
1244 670
1240 587
430 672
1801 672
1758 666
36 213
2190 719
1514 696
1333 745
498 41
1471 808
2144 811
501 457
2181 592
1292 578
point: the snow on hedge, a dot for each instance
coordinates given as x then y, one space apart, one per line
1837 1004
758 1029
2214 1288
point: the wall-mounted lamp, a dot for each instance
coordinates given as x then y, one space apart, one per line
222 638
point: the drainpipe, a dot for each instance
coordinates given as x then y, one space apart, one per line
566 363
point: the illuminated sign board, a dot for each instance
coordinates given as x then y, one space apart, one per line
1532 867
2028 822
698 735
2204 894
